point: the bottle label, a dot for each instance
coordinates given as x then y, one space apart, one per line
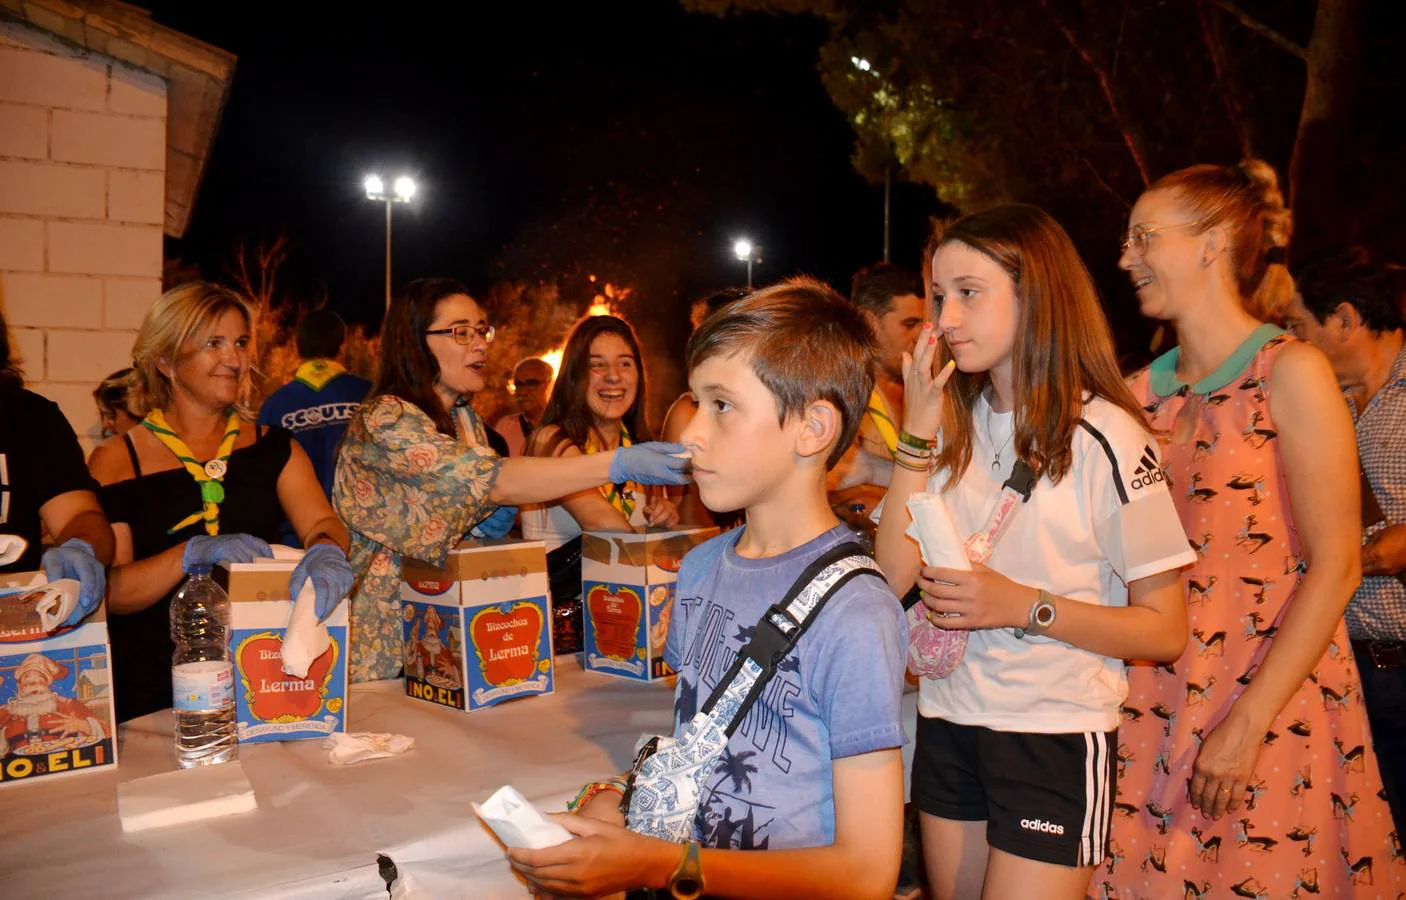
203 686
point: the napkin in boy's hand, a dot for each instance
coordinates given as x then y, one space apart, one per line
517 822
363 745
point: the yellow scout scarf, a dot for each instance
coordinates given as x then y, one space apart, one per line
621 496
883 421
315 373
208 475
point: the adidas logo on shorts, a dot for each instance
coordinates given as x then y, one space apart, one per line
1042 826
1147 472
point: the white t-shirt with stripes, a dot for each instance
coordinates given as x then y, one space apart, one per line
1108 522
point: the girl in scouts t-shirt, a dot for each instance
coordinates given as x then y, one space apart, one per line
1017 749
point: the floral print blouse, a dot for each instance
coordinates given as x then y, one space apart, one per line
405 490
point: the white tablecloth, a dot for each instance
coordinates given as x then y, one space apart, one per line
318 829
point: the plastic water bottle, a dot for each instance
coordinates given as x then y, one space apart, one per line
202 673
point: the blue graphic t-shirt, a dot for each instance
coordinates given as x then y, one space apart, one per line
837 695
316 406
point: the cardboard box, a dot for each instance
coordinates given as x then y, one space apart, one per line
269 704
494 592
627 593
56 703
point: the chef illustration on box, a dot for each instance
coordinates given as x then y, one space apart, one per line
37 719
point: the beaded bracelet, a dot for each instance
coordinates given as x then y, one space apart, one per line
588 793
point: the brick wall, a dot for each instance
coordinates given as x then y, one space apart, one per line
82 197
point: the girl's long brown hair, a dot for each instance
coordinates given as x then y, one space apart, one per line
1063 349
567 407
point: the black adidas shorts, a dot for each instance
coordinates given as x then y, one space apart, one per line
1047 797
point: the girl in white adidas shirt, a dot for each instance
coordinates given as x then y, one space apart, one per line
1016 749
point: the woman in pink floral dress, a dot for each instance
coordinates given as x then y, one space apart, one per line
1247 767
414 472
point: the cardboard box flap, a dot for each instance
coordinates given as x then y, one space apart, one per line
477 561
665 549
253 582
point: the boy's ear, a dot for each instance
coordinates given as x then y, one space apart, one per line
820 428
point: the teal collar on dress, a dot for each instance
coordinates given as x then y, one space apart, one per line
1162 374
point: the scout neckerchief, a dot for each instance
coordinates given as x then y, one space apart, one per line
879 414
208 475
315 373
621 496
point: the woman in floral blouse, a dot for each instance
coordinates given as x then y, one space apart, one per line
415 474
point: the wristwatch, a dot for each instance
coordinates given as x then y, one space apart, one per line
687 881
1042 615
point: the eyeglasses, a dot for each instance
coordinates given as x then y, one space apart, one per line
529 383
463 334
1140 236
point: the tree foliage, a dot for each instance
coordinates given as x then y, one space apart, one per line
1074 104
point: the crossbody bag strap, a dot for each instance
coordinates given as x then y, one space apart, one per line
1022 482
782 625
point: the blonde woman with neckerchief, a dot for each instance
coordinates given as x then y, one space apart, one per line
197 483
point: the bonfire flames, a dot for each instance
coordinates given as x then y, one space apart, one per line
606 302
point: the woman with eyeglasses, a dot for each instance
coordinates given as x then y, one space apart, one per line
416 473
1248 762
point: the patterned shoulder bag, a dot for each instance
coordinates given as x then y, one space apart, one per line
665 784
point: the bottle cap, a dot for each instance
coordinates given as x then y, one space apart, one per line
201 571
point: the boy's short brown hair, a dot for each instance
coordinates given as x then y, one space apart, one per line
805 343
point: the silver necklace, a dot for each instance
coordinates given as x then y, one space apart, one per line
990 438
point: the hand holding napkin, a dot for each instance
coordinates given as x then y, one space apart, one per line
517 822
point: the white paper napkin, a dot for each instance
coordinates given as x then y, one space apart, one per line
59 598
359 746
942 545
517 822
12 547
305 638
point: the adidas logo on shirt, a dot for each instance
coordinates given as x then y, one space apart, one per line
1042 826
1148 472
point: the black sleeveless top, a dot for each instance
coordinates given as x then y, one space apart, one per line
149 504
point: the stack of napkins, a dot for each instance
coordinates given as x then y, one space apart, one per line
185 795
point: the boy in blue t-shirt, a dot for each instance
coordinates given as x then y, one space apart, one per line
813 777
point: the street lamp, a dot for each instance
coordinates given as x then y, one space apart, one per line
867 68
747 252
401 192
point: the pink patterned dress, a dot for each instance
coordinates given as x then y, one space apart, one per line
1313 822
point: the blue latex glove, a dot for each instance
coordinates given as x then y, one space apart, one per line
650 463
496 525
75 559
331 574
204 551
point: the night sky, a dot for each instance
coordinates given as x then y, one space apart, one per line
628 136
